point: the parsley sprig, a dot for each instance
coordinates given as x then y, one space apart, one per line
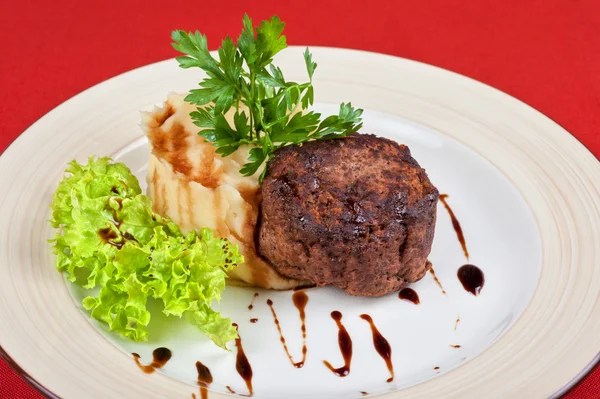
277 110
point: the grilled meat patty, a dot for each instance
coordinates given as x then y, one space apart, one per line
357 213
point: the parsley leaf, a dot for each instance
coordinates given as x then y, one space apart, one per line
277 111
310 65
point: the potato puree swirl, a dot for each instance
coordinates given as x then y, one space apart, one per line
196 187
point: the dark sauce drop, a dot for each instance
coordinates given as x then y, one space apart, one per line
230 390
381 345
408 294
119 245
242 365
129 237
160 357
471 278
456 322
364 393
205 378
300 300
456 225
108 236
345 343
253 320
455 346
251 306
437 281
436 368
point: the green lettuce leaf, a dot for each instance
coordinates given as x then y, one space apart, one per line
108 236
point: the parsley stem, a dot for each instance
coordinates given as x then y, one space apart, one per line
253 99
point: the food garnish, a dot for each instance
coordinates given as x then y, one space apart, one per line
109 237
244 74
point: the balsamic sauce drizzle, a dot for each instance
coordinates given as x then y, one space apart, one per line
300 300
408 294
205 378
437 281
381 345
242 365
230 390
345 343
160 357
456 225
107 234
251 306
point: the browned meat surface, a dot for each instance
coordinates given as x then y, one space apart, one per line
357 213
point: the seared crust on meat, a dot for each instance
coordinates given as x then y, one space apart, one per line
357 213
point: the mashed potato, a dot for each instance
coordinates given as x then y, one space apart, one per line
196 188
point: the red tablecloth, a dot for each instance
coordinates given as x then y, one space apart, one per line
546 53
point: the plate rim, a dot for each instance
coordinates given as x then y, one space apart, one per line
577 379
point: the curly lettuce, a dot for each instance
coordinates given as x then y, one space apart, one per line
108 236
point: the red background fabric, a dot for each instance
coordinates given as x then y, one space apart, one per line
545 53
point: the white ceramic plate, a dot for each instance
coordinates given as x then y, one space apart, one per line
524 190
